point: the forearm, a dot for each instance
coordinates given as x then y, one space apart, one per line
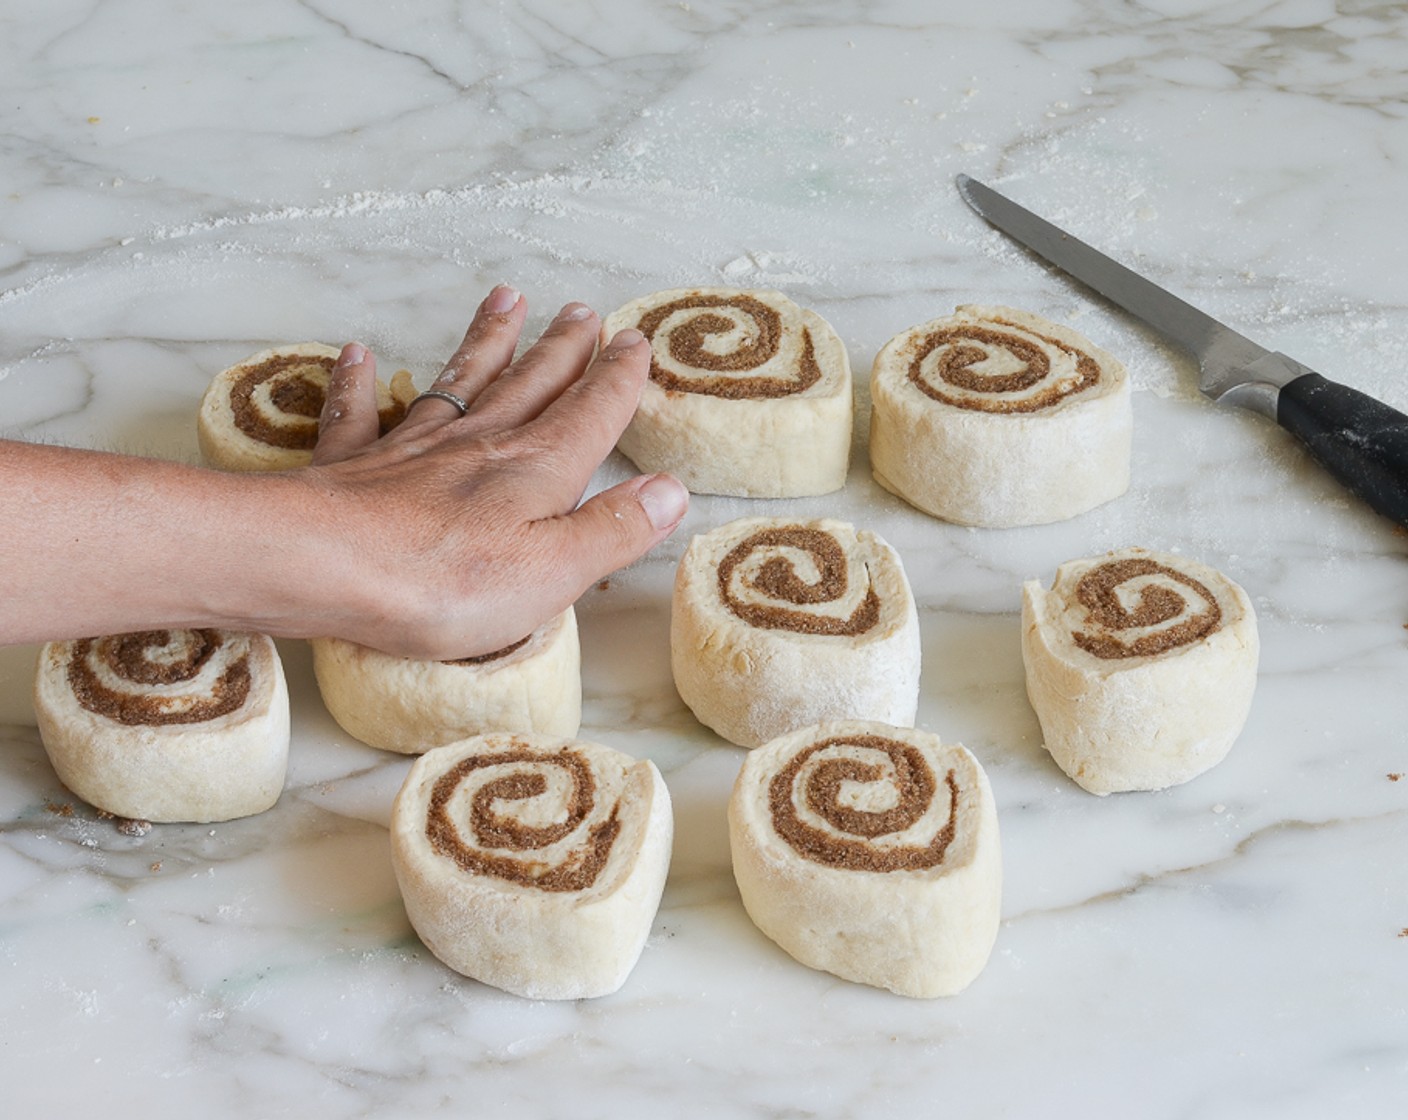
455 535
96 543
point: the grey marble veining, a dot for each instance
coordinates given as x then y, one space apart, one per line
183 185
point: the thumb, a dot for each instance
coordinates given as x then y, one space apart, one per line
620 525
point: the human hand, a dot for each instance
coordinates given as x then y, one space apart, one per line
452 535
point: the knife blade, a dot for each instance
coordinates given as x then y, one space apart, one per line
1361 441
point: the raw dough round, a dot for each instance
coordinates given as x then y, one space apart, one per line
1141 667
166 725
531 863
871 852
262 414
749 394
400 704
994 417
776 624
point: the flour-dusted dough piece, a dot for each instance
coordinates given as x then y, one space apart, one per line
871 852
1141 667
262 414
532 863
400 704
994 417
776 624
749 394
166 725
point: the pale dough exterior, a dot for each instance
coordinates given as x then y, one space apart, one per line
1001 469
410 706
921 933
778 447
225 446
231 766
751 684
1145 722
532 942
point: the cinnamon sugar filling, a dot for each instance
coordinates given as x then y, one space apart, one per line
1097 592
686 345
126 656
848 846
955 368
298 394
778 580
494 830
498 654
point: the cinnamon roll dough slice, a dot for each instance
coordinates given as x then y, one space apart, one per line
166 725
410 706
994 417
749 394
1141 667
262 413
871 852
776 624
531 863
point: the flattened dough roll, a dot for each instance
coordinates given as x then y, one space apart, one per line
166 725
1141 667
400 704
531 863
262 414
995 418
871 852
749 394
776 624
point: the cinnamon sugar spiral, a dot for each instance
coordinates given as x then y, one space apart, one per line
531 817
278 401
1137 607
995 365
798 578
731 346
160 677
865 803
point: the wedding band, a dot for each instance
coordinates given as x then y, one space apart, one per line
444 395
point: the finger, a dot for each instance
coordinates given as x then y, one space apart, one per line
578 430
541 374
485 352
348 421
615 527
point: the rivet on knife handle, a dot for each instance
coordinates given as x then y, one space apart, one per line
1361 441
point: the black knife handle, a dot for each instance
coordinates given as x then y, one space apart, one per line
1361 441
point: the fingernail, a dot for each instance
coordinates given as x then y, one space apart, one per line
353 354
664 499
501 299
624 339
574 313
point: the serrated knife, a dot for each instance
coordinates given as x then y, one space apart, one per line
1361 441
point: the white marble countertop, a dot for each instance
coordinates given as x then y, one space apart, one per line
184 184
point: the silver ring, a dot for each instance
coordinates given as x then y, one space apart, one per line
442 395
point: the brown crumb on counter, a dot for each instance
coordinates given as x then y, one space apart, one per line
59 810
605 585
155 866
129 827
1403 932
1395 777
